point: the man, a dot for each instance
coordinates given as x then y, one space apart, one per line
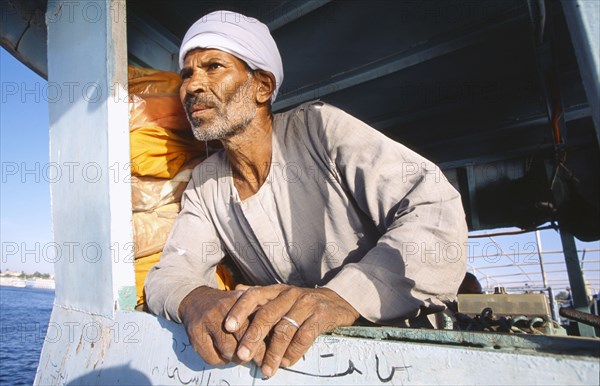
329 220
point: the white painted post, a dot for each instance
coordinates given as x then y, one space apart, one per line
89 143
583 19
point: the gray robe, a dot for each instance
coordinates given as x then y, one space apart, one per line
343 207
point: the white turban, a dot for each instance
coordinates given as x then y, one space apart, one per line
244 37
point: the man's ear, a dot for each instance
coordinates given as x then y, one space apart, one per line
266 85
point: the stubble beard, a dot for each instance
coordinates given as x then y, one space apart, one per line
231 116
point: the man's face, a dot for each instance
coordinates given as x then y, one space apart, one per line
218 94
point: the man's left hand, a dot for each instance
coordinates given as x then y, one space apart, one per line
294 317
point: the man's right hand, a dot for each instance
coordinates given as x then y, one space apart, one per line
203 312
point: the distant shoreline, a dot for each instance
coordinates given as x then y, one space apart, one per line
28 283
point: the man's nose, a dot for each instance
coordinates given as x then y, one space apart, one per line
197 84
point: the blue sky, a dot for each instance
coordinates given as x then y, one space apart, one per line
25 197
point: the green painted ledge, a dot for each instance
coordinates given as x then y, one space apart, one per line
572 346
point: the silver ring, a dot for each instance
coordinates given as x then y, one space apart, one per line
292 321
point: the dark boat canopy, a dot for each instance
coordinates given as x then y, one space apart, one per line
490 90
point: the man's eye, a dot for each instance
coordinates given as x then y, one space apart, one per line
185 74
214 66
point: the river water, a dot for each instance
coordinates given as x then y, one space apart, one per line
24 316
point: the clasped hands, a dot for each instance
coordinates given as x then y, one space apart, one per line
271 325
